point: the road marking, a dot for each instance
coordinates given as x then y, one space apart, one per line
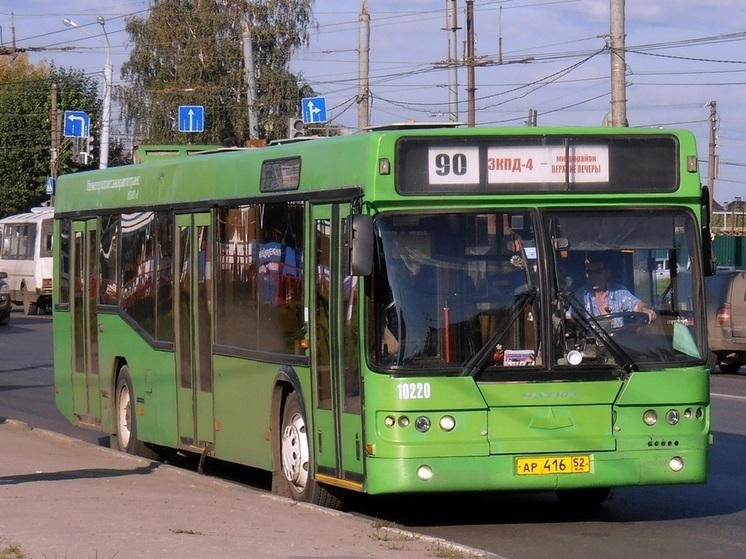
729 397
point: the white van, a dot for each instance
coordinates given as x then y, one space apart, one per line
26 256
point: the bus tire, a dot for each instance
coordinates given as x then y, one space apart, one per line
29 308
295 458
125 438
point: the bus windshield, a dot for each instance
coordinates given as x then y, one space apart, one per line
480 293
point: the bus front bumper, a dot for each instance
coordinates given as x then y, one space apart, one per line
500 473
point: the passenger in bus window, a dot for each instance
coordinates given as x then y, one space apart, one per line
602 297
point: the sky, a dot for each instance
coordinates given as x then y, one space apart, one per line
550 56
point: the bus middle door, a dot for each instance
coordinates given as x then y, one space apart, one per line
335 352
193 326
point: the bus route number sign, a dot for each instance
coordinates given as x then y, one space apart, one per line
454 165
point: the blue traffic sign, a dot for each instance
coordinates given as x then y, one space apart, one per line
191 118
77 124
314 109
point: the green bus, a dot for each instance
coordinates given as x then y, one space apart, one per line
403 310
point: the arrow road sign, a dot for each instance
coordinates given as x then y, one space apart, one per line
77 124
314 109
191 118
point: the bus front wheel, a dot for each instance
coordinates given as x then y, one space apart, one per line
295 457
125 435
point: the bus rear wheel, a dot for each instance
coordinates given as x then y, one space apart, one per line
295 458
125 436
29 308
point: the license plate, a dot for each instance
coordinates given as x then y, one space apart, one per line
545 465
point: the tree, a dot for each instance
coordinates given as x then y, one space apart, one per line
25 127
190 53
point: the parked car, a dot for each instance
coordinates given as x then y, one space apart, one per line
726 319
5 302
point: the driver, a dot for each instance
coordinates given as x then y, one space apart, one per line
601 297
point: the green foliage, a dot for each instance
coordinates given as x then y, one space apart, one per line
26 127
11 552
189 52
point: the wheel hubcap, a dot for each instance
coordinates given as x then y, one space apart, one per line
124 418
295 454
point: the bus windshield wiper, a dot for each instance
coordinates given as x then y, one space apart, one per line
477 361
589 321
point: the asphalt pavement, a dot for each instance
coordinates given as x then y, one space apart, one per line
62 498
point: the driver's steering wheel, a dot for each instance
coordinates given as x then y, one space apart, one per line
627 319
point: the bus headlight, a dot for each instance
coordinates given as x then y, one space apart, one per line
676 463
447 423
650 417
672 417
422 424
424 473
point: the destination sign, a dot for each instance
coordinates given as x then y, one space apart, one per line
451 165
280 174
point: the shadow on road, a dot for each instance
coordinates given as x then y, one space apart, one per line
92 473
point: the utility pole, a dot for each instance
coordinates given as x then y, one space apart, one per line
452 28
54 150
470 62
250 76
618 65
713 159
363 96
532 117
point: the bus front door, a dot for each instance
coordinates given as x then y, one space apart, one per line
85 376
193 289
338 435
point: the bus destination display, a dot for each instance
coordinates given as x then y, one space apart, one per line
519 165
536 164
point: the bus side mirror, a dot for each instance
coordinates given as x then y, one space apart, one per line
709 264
360 242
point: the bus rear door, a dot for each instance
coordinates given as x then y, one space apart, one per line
85 376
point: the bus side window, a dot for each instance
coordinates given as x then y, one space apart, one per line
7 237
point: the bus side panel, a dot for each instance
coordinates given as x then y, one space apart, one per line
153 375
243 398
61 327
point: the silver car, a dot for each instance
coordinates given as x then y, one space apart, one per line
726 319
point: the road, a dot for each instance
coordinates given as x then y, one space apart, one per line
677 521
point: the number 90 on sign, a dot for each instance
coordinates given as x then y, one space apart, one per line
453 165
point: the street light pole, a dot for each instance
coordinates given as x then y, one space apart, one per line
106 118
108 73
